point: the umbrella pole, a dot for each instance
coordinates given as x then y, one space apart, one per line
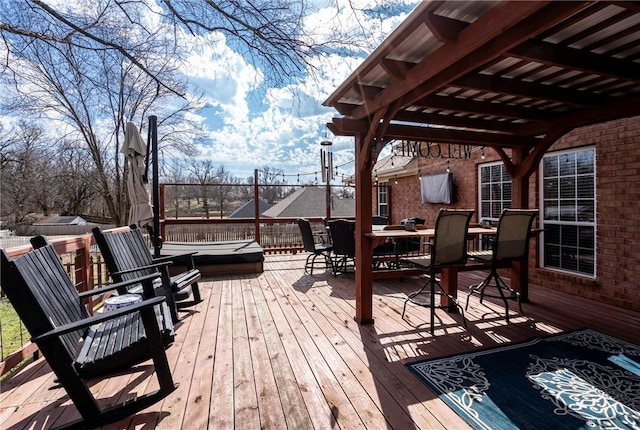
153 138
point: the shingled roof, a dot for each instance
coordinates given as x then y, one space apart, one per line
310 202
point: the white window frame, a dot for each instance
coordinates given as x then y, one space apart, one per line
543 223
504 203
383 191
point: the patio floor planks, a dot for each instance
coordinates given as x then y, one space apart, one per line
281 350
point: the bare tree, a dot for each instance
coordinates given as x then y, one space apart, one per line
268 32
93 92
270 180
205 173
225 190
74 190
26 172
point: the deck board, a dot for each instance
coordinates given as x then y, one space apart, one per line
281 349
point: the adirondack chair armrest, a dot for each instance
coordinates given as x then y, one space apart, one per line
98 318
117 285
135 269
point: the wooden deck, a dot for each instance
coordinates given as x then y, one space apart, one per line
281 350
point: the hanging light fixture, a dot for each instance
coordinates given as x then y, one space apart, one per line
482 152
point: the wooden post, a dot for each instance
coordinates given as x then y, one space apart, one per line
364 249
520 200
256 205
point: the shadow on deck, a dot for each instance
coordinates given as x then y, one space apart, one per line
281 350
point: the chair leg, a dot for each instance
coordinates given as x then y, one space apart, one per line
431 283
432 303
308 265
311 259
501 286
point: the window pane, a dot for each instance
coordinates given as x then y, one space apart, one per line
568 188
568 199
585 187
586 210
496 209
506 194
569 258
551 188
551 210
567 210
486 192
584 161
570 236
485 175
552 256
495 190
496 173
567 164
550 166
552 234
586 262
586 238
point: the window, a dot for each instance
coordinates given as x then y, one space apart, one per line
383 202
495 190
568 209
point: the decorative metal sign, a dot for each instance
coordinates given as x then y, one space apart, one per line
407 148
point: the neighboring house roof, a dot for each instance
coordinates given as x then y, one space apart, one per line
392 166
247 210
395 165
311 202
62 220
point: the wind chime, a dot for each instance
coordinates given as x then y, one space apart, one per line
326 167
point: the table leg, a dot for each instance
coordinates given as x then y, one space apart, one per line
449 281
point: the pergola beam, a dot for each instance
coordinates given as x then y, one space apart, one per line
505 86
348 127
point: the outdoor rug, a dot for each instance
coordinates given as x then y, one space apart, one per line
578 380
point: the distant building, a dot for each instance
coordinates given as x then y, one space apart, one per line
311 202
61 220
247 210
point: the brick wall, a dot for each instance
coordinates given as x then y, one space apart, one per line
617 146
617 282
405 198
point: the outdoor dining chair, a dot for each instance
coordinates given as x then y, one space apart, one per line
411 245
343 238
510 244
447 249
316 249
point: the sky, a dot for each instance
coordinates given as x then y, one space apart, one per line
251 125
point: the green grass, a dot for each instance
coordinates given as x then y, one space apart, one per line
11 328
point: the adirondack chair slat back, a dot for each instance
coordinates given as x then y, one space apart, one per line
42 293
128 250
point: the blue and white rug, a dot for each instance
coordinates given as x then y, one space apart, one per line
578 380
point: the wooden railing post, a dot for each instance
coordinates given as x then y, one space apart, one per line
256 195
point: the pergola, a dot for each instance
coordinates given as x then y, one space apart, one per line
513 76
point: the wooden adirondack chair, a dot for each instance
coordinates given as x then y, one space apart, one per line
127 256
46 300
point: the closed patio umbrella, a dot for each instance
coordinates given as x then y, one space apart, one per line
135 150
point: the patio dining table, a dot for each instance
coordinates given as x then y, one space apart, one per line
449 276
